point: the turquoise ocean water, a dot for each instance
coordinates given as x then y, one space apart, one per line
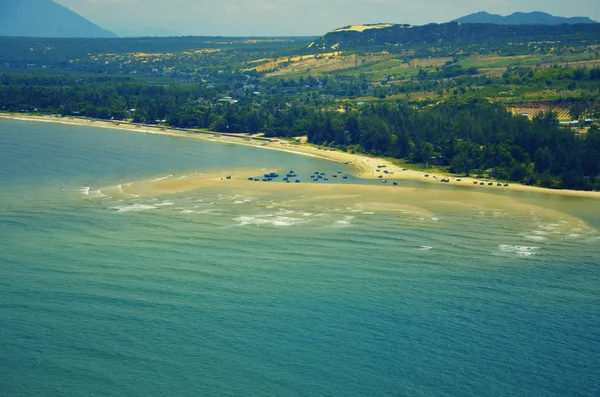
248 290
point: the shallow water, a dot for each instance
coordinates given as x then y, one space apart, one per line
255 288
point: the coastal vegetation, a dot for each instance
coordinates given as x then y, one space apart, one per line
478 103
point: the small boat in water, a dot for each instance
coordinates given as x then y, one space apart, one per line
345 177
395 183
297 180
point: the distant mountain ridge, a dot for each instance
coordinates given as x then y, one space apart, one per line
522 18
45 18
477 36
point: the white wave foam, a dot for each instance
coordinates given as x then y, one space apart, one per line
190 175
85 190
552 227
519 250
96 193
346 222
537 238
286 212
165 204
161 178
342 224
205 211
134 208
286 221
424 248
269 220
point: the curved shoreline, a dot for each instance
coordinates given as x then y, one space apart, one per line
368 167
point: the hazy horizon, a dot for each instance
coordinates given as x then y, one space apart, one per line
293 17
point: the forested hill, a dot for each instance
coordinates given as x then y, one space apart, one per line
397 38
522 18
45 18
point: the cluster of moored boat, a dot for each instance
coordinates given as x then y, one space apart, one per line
446 180
489 183
293 177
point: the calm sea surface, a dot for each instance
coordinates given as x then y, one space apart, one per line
248 289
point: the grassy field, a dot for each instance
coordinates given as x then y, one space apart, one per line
494 61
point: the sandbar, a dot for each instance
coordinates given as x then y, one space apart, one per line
366 167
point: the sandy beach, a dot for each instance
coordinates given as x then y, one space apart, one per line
367 167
